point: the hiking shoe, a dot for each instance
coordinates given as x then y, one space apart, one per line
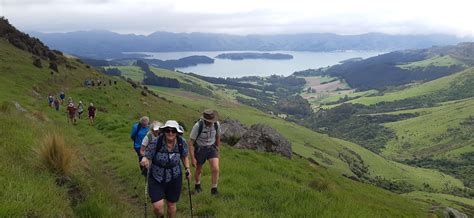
214 191
197 188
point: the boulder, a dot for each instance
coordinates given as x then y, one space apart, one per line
453 213
232 131
264 138
19 107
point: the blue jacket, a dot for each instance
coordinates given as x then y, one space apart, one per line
141 134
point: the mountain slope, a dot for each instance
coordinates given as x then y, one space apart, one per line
324 150
104 173
401 67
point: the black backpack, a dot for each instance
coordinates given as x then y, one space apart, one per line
159 145
136 132
201 126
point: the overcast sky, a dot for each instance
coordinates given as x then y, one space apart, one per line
243 16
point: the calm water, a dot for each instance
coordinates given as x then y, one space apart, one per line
260 67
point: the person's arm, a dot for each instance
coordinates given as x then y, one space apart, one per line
185 160
218 135
145 143
148 154
192 140
134 128
191 152
218 140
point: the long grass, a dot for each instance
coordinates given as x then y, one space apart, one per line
55 155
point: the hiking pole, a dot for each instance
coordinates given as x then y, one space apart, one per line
146 188
190 201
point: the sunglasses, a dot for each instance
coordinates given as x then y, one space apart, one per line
170 130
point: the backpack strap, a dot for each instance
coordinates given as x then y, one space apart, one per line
201 126
159 145
136 132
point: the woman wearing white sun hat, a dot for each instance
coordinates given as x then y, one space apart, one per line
163 158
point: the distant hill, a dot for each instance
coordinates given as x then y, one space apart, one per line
254 55
106 44
401 67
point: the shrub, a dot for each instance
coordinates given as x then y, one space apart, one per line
5 107
53 66
319 185
40 116
37 62
54 155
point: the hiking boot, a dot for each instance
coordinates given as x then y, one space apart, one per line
197 188
214 191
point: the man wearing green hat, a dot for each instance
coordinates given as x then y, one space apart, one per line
204 143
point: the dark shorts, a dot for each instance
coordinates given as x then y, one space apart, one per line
92 115
169 191
72 116
137 150
205 153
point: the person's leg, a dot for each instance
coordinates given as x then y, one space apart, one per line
158 208
214 162
172 194
200 154
171 210
157 196
197 178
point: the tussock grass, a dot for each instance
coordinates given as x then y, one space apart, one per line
54 155
319 185
6 107
40 116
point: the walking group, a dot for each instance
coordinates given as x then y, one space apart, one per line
160 149
72 109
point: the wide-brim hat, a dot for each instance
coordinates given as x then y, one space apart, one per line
172 124
156 125
210 115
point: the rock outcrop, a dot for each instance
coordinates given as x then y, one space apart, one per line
232 131
453 213
264 138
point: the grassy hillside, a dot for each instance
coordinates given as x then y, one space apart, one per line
416 90
103 176
323 149
438 61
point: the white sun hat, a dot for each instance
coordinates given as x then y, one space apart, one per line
172 124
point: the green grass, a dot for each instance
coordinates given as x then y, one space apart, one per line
416 89
438 61
443 199
306 142
415 138
132 72
105 168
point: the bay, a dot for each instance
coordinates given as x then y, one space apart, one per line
261 67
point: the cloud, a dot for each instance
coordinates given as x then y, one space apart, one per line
243 16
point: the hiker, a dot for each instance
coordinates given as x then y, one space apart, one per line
50 100
92 113
165 180
72 113
69 100
62 96
139 131
204 145
151 136
80 109
56 103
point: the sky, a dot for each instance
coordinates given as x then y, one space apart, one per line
243 17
